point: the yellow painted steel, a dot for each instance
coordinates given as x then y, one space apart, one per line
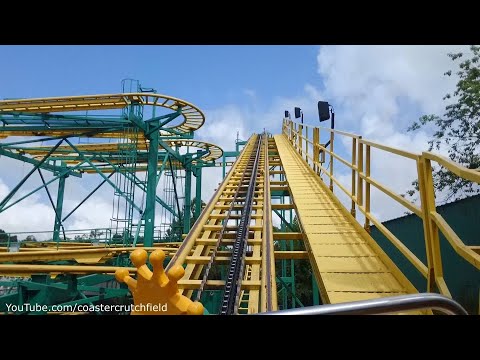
30 269
269 284
196 250
360 195
157 293
434 222
72 246
347 262
81 256
214 152
193 117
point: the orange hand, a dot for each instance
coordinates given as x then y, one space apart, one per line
157 289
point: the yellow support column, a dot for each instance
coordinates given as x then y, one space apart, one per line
437 270
316 150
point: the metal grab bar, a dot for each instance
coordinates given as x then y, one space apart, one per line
384 305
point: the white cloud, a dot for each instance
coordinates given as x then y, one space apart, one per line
31 214
222 126
378 91
358 74
225 122
35 213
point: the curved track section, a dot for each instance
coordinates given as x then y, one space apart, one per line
214 152
193 117
211 153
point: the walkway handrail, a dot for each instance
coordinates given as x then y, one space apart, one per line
321 157
386 305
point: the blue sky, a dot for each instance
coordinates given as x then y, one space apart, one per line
208 76
377 91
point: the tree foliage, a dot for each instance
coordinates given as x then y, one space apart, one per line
458 130
31 238
94 234
3 235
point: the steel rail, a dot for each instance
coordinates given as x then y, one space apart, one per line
237 262
386 305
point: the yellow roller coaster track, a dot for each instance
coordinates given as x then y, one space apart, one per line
218 227
235 228
193 117
213 152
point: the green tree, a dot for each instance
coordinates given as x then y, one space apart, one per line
94 234
3 235
458 130
4 238
31 238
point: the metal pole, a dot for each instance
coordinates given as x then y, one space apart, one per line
25 178
94 167
69 171
384 305
58 222
88 196
198 190
150 203
316 297
332 136
188 194
223 164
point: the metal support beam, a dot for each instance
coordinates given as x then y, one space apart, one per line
172 152
174 182
66 172
94 167
152 166
198 190
294 296
223 166
188 194
65 136
59 207
45 166
315 293
284 220
25 178
160 172
88 196
138 183
57 215
169 118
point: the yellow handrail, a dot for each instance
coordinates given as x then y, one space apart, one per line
461 171
390 149
360 193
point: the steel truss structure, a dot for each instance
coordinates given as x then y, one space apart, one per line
232 259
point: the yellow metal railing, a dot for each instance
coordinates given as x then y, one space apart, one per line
320 158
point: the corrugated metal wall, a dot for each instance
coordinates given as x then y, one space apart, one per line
462 279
